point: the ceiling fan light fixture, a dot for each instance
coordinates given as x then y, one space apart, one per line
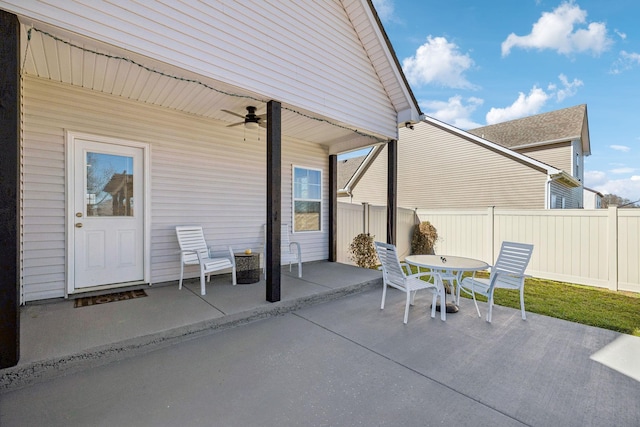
251 125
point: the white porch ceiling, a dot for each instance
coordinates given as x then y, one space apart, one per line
52 53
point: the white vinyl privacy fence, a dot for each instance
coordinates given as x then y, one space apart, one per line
354 219
599 247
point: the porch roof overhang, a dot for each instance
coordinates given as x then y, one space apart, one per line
565 178
60 55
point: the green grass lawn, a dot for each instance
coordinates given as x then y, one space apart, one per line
618 311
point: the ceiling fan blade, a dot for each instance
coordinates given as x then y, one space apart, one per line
262 124
233 114
262 116
235 124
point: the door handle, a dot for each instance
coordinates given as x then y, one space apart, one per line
79 225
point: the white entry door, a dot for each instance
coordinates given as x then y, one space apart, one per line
107 227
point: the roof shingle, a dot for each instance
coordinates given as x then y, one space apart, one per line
555 125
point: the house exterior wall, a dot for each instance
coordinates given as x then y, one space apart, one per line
577 160
563 197
258 46
592 200
372 187
438 169
557 155
201 173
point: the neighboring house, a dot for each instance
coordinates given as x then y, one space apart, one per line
104 91
441 166
592 199
559 138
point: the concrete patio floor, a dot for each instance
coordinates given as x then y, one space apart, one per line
56 338
341 362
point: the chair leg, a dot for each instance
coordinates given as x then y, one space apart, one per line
181 274
473 294
384 295
443 304
233 276
202 287
406 308
490 307
524 316
434 301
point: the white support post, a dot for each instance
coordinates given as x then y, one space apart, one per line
490 234
365 217
612 247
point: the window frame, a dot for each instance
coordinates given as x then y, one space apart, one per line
294 199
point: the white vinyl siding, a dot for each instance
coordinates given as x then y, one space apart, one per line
304 54
572 196
437 169
201 173
557 155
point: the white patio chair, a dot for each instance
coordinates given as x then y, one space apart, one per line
290 251
394 275
507 273
194 251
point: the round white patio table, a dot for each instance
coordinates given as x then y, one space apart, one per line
449 265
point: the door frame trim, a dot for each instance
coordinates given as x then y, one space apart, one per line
70 144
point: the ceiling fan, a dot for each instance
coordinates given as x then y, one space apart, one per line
251 120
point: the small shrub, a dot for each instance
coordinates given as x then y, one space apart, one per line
424 239
362 251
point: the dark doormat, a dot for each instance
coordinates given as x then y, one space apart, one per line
103 299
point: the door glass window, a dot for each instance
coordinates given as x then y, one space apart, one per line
109 185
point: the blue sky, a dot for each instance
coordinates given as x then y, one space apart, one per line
471 63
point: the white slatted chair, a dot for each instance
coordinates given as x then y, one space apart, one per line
507 273
290 251
395 276
194 251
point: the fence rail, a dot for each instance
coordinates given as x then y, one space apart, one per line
599 247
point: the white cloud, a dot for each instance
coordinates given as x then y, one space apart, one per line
622 171
568 88
593 179
386 10
622 35
628 188
556 30
455 111
626 61
438 62
622 148
525 105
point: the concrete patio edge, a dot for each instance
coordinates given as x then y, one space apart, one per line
23 375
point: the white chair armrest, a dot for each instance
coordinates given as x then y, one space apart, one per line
184 252
420 274
232 258
406 267
298 251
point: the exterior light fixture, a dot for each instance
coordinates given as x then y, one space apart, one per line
251 125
